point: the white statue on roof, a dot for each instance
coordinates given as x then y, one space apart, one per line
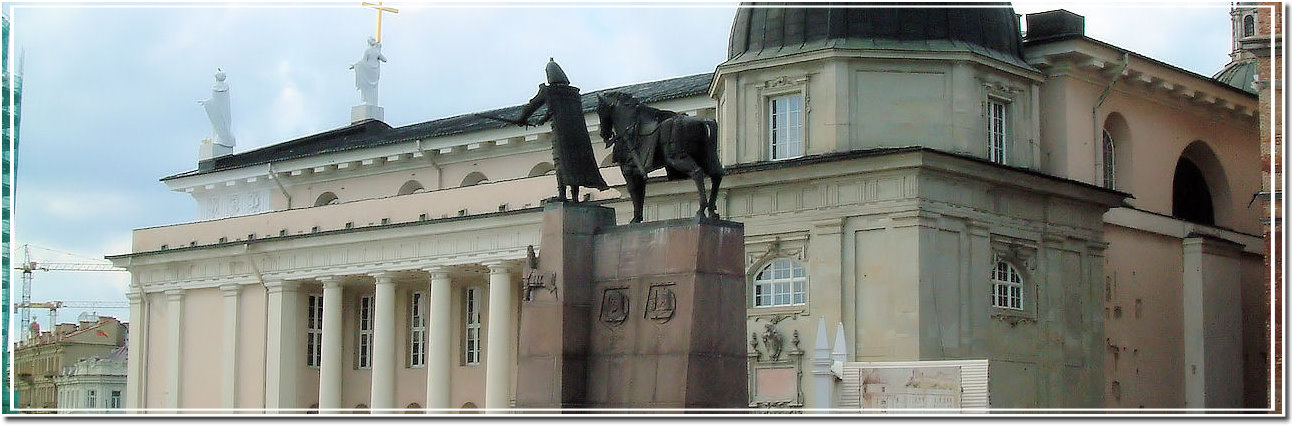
218 111
367 71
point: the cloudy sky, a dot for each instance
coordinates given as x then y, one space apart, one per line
109 102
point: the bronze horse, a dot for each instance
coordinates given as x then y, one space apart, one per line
646 139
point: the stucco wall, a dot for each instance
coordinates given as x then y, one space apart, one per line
203 311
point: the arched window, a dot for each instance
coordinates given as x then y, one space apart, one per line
412 408
409 187
326 199
1192 200
1107 158
1249 25
780 283
1008 287
541 169
473 178
1116 147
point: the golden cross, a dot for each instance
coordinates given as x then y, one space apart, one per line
378 6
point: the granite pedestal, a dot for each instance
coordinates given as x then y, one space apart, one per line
647 315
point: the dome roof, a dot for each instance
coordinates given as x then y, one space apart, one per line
1240 75
990 29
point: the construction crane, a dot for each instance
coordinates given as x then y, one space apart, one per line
54 306
28 266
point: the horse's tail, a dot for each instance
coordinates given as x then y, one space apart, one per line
712 140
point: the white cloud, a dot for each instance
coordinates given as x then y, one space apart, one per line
75 205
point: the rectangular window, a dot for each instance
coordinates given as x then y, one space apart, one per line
365 356
786 127
997 131
115 401
417 329
314 330
89 399
472 326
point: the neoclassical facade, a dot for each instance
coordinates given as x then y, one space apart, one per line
941 190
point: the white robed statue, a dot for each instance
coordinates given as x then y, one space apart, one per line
218 111
367 71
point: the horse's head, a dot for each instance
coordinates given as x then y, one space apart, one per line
605 122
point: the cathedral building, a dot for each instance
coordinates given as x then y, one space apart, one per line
940 184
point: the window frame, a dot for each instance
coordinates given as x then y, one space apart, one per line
472 349
417 354
1107 159
114 399
769 287
1007 286
999 142
364 333
796 131
90 399
314 330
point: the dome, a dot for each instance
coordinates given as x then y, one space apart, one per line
1240 75
990 29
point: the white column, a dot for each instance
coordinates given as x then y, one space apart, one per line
439 347
135 362
229 359
282 346
384 359
330 368
175 348
498 357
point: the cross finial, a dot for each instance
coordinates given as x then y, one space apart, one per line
379 8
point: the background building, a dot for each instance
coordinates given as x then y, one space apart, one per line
944 188
94 385
12 86
1264 42
38 362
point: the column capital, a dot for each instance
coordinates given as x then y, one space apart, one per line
230 290
331 280
383 277
282 286
437 272
174 294
498 266
135 296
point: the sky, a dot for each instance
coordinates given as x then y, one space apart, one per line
110 90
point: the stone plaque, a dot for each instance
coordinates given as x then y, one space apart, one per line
660 302
615 305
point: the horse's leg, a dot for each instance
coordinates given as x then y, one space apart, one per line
636 184
575 193
637 191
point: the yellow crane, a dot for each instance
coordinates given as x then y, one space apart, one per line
28 266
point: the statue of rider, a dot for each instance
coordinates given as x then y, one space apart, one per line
572 150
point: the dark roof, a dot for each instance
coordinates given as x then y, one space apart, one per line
989 29
372 133
1240 75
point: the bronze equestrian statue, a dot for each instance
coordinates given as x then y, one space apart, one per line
646 139
572 150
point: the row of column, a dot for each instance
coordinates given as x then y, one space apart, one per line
439 344
285 348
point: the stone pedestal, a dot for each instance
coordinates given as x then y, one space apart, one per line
552 348
647 315
363 112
